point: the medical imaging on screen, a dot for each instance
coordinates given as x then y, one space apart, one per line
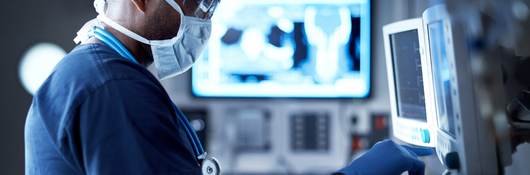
315 49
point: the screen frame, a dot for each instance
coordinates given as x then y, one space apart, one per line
449 54
368 63
409 130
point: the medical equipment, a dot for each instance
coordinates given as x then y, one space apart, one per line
413 117
295 49
379 128
252 129
310 132
209 165
489 38
464 143
499 33
471 49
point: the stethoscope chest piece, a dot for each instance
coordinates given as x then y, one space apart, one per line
210 166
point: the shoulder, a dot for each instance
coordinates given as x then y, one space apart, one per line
86 69
94 64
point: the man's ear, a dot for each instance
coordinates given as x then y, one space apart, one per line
140 4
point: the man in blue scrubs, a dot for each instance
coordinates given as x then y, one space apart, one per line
102 112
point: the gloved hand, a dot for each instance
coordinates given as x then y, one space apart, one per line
385 158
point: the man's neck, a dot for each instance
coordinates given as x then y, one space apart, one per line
138 50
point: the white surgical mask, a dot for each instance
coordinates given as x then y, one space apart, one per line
176 55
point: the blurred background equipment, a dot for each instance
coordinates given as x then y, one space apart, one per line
310 132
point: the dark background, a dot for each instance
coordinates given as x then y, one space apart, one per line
23 24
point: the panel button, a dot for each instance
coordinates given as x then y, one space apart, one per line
425 136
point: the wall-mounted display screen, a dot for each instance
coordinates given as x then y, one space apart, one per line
294 48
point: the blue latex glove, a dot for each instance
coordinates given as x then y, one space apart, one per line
385 158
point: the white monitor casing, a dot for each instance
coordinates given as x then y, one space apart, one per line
414 132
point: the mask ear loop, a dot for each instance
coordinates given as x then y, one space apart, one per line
100 6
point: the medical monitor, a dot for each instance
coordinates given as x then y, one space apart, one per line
411 97
286 49
464 143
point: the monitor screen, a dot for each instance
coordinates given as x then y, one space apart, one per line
408 75
293 49
442 78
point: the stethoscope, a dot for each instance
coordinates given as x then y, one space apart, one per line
209 165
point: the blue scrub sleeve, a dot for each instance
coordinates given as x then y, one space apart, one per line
127 127
385 158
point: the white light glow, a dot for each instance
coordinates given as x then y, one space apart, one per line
253 43
275 12
286 25
37 64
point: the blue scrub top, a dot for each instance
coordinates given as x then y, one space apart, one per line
99 113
